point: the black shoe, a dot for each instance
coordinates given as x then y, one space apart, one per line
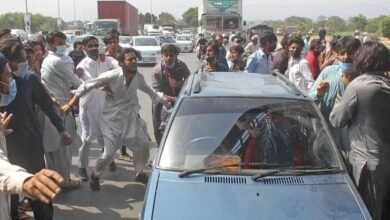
112 166
83 174
94 183
142 178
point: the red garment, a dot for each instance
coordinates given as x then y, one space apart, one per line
314 64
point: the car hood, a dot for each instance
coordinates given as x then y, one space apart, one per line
183 42
236 197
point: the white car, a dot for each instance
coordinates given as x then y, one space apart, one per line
124 41
184 42
148 46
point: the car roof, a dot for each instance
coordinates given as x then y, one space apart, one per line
235 84
154 37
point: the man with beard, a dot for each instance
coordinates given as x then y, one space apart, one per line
312 57
168 77
261 60
91 104
298 71
119 122
332 82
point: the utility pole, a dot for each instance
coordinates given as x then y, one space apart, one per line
151 12
59 15
74 9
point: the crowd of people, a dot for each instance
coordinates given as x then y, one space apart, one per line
41 87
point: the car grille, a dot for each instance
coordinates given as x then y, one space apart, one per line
283 181
225 179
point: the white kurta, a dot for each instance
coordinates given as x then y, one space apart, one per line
59 78
11 179
300 74
119 120
91 104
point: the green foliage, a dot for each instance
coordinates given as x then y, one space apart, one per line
38 22
303 24
385 27
146 19
336 24
166 18
358 22
190 17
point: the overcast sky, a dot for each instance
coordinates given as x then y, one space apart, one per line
253 9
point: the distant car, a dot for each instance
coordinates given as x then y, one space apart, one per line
124 41
248 146
168 40
185 43
148 46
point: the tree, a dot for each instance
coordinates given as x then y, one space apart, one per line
190 17
321 21
385 27
38 22
336 24
358 22
303 24
166 18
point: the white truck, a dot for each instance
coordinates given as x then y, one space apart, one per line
220 16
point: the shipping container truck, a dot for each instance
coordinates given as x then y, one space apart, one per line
118 14
220 16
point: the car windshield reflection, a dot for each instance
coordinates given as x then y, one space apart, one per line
256 133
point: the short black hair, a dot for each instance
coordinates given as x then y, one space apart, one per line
125 51
373 56
215 47
284 41
297 40
12 48
267 37
52 35
315 43
110 35
34 43
87 39
170 48
76 43
348 43
237 48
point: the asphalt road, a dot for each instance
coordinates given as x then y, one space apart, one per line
120 197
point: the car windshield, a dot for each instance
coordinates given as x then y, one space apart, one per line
257 133
146 42
124 40
183 38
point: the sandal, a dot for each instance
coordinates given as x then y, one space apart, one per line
73 184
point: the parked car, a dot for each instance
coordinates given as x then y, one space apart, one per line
148 46
124 41
184 42
248 146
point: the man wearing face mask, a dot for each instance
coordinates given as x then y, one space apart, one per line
261 60
25 143
168 77
119 122
331 83
58 77
298 71
77 54
91 104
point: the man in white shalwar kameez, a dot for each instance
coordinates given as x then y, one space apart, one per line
298 71
58 77
92 103
119 121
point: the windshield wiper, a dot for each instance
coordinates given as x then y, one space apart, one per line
201 170
296 171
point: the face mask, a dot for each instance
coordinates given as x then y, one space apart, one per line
8 98
294 53
22 69
60 50
171 66
93 53
346 67
210 58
